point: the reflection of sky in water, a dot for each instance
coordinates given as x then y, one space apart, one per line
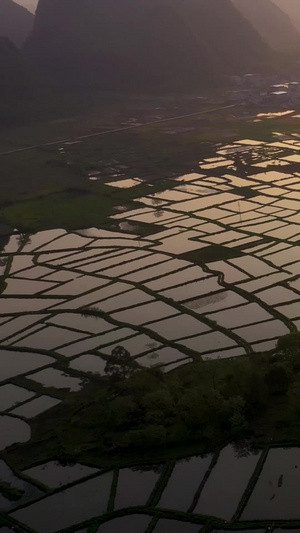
13 363
11 395
73 506
160 288
35 407
134 522
26 491
134 487
276 493
220 498
57 379
275 114
89 363
187 473
222 252
12 431
55 475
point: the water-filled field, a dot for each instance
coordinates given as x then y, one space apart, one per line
236 485
217 276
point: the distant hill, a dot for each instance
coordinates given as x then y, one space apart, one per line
29 4
15 84
292 8
16 22
143 44
14 76
272 23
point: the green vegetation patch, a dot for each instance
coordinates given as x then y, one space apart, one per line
66 209
69 209
201 405
9 492
246 192
211 253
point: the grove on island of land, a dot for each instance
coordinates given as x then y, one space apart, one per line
196 408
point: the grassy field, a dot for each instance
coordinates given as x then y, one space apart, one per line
36 180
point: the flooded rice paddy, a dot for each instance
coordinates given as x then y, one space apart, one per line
233 485
217 276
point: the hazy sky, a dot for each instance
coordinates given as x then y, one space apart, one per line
30 4
292 8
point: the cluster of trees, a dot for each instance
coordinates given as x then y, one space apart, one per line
203 403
